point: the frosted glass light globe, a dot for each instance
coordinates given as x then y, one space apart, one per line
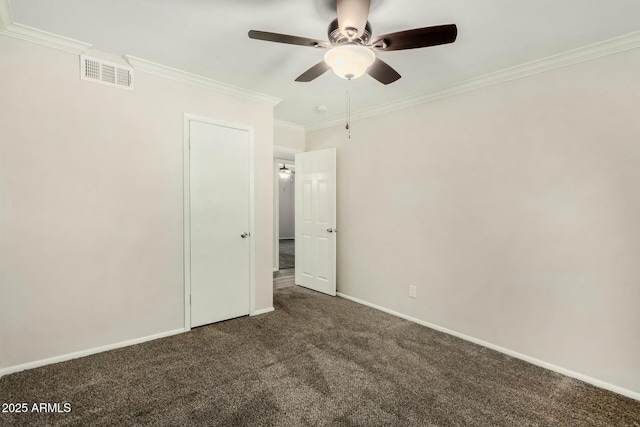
349 61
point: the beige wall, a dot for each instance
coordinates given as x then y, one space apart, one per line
288 140
514 209
91 229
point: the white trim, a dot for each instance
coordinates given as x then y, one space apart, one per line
44 38
6 15
533 360
262 311
586 53
88 352
276 216
186 223
24 32
34 35
593 51
186 212
252 221
288 125
196 80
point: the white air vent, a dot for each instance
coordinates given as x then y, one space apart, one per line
99 71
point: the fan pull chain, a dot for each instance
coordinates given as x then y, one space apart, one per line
348 127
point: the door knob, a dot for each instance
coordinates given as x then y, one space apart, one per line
331 230
244 235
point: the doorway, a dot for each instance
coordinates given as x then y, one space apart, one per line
287 219
284 220
218 206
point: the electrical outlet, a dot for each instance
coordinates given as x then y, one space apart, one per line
412 291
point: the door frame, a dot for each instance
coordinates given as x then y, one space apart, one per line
186 213
279 154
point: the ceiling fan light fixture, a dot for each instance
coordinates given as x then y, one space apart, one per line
285 171
349 61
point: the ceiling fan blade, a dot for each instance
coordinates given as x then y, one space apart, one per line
314 72
353 16
287 39
419 37
382 72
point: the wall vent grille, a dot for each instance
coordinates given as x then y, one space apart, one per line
99 71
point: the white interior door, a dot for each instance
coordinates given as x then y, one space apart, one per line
219 216
316 220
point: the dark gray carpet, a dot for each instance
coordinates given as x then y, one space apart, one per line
316 360
287 253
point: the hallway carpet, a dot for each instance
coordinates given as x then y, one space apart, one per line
284 278
317 360
287 253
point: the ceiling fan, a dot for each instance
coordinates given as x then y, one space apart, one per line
351 53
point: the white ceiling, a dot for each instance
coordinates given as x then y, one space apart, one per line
209 38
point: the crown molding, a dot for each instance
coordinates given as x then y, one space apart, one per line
593 51
44 38
34 35
6 16
194 79
288 125
30 34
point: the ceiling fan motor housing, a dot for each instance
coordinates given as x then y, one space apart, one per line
337 38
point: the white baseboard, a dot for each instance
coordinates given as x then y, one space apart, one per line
541 363
83 353
276 269
263 311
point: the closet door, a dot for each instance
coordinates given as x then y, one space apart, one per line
219 216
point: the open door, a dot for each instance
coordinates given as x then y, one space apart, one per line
315 257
